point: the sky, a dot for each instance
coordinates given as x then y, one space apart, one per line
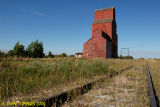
65 25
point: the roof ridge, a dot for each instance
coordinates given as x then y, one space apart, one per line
104 9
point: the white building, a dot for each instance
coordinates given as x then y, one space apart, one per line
79 55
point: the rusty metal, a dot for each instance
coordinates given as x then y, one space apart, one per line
152 95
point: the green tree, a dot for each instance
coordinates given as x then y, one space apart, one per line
3 54
35 49
64 55
50 55
18 50
11 53
29 50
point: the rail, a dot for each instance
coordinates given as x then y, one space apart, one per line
61 98
152 95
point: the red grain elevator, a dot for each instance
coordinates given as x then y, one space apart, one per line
103 43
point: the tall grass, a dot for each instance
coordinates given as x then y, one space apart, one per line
22 76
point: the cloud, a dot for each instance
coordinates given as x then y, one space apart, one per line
39 13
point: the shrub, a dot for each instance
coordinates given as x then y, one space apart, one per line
50 55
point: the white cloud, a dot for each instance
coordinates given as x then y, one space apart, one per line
39 13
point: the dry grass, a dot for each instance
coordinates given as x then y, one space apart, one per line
128 89
33 78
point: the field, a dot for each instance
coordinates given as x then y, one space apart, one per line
25 79
22 76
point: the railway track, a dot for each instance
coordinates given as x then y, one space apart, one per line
152 94
61 98
124 90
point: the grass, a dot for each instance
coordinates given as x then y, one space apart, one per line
22 76
126 89
138 79
154 66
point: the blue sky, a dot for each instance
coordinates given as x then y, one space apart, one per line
64 25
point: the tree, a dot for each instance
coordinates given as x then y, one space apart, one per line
63 55
29 50
50 55
11 53
18 50
3 54
35 49
71 56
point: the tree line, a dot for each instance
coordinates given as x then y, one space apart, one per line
34 50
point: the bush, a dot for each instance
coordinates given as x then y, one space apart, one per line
50 55
61 55
2 54
64 55
125 57
71 56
